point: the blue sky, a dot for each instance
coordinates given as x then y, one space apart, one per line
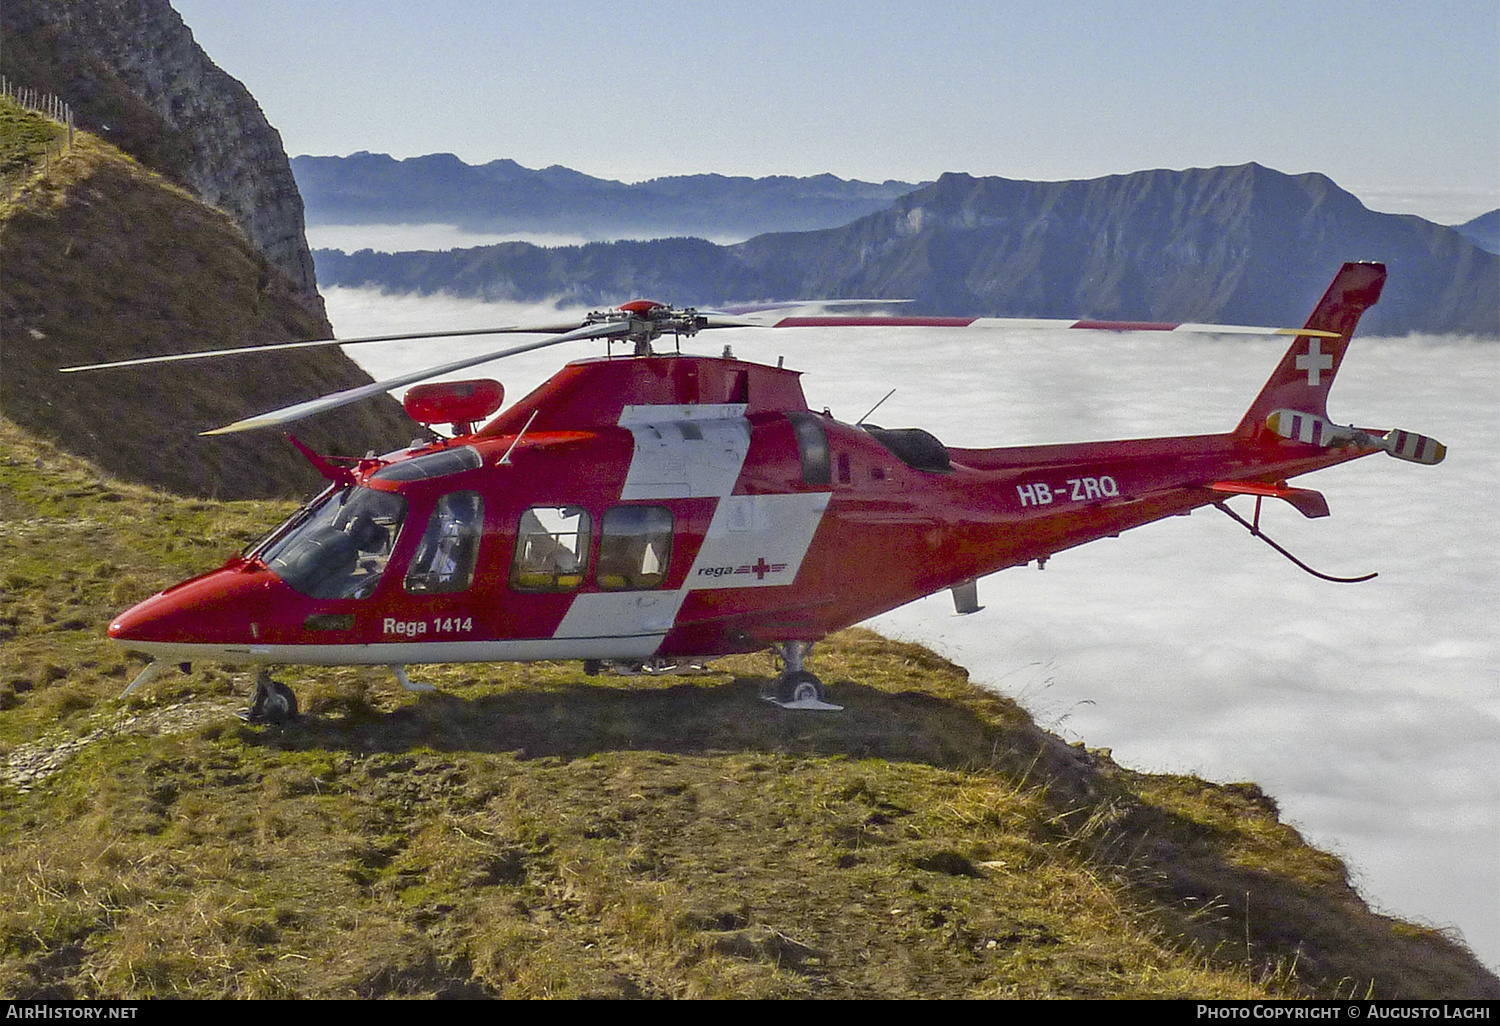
1398 102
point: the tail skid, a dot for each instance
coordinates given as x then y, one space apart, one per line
1256 532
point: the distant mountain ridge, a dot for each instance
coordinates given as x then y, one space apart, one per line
502 196
1244 244
1483 231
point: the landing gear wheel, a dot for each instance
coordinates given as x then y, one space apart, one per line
799 687
273 702
281 704
795 687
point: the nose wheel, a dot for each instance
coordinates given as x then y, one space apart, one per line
273 701
795 687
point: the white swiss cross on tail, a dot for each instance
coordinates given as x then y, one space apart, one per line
1315 361
1302 379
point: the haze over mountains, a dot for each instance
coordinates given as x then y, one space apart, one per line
1244 244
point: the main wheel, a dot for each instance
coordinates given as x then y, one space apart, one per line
799 686
280 705
274 702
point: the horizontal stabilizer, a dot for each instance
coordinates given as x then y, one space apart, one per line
1309 503
1312 429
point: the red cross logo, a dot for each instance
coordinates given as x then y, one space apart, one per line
761 568
1315 362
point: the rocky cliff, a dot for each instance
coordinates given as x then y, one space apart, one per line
135 77
101 259
1483 231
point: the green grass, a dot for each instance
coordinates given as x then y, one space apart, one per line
27 140
528 831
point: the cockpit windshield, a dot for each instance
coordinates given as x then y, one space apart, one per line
342 545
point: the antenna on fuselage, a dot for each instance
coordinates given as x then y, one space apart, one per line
872 409
506 458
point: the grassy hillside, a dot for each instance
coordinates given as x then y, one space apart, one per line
101 259
527 831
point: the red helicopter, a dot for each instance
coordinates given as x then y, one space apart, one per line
644 511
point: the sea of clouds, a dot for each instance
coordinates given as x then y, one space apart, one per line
1370 711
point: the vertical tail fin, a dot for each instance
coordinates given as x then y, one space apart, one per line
1301 380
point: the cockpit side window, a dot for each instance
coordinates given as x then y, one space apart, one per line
433 464
552 549
340 550
445 559
812 446
635 548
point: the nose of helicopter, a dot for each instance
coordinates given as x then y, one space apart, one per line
216 609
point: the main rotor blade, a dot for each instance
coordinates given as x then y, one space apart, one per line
801 304
1004 323
759 316
287 414
514 329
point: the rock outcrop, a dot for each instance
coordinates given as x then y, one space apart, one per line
101 259
134 76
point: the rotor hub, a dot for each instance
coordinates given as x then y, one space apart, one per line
642 321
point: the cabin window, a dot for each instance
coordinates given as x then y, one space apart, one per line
552 549
341 547
812 446
916 448
635 546
445 559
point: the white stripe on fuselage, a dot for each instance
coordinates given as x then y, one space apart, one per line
621 614
754 541
757 541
